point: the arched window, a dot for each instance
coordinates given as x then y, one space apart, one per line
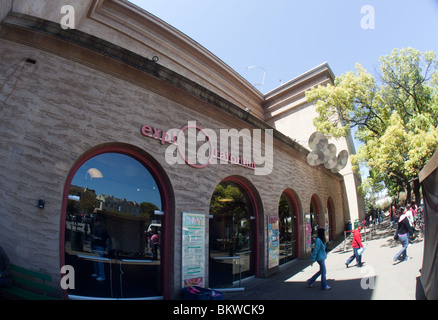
113 228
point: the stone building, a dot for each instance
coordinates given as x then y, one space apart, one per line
235 194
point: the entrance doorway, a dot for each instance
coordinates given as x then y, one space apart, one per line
232 235
331 223
315 218
288 214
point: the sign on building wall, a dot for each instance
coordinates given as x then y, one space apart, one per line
273 241
193 249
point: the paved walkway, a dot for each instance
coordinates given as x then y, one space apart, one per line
378 279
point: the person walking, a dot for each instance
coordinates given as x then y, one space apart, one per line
99 243
409 215
357 245
155 243
404 232
392 213
319 255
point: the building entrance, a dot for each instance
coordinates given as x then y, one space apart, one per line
288 214
315 218
232 235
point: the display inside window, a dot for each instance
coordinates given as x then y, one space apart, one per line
232 232
287 229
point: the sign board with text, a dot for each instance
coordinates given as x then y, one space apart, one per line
193 249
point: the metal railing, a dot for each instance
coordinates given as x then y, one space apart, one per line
115 261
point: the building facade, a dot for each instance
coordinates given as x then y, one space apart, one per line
123 109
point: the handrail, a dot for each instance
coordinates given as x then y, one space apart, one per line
111 262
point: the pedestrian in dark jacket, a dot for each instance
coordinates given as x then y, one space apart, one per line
357 244
404 232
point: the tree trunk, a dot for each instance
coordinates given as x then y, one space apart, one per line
417 194
408 193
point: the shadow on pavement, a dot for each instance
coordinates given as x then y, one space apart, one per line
341 290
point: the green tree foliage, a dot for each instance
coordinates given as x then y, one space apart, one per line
228 200
147 209
395 114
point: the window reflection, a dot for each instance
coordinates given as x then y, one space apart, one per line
231 232
113 235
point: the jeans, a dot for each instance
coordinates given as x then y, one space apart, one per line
322 272
98 266
403 253
355 256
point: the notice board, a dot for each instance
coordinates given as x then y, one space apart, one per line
193 249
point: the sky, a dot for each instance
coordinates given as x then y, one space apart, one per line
120 176
279 40
282 39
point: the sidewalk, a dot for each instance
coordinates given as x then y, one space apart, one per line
378 279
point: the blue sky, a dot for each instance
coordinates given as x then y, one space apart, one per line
289 37
120 176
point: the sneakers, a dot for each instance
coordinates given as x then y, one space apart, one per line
310 284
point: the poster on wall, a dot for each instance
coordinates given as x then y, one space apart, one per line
193 249
308 233
273 242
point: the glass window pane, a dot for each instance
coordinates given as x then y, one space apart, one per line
112 234
287 228
231 236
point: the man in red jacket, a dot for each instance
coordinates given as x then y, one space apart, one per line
357 244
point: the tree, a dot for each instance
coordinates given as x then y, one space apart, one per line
396 116
147 209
